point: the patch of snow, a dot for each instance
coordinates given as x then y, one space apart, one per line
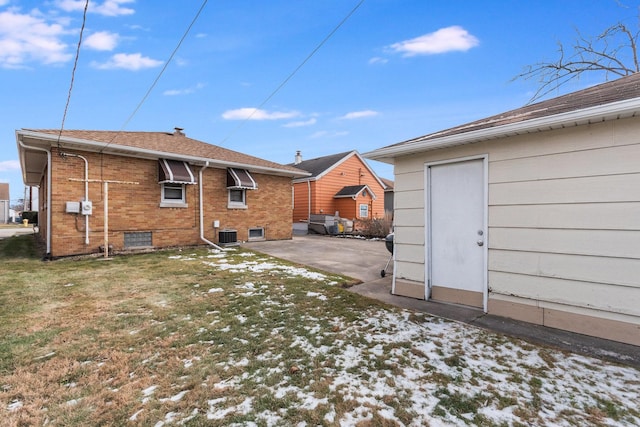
135 415
14 406
214 290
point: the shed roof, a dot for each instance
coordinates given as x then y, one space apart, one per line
611 100
353 191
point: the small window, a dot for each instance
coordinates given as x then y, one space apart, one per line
364 210
173 194
137 239
256 233
237 198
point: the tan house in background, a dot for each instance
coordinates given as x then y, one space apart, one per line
4 203
533 214
342 183
150 190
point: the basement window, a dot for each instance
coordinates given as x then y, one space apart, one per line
256 233
140 239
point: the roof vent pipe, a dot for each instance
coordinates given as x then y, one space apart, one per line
178 131
298 157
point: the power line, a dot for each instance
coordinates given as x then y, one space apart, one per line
153 85
290 76
73 73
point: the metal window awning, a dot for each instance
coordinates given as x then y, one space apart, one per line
240 179
175 172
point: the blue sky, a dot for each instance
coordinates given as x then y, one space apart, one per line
396 69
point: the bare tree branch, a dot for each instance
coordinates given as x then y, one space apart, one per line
614 52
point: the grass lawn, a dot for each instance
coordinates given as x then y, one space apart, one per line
202 337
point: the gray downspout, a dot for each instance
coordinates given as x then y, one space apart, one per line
201 211
48 204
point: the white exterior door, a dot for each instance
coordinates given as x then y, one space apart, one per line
456 232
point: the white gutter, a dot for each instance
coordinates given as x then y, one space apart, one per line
154 154
201 209
86 192
48 204
611 111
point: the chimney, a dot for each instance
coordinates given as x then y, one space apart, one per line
178 132
298 158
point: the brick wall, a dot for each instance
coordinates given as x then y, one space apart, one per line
136 207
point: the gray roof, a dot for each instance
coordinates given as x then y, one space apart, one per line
350 191
607 101
617 90
320 164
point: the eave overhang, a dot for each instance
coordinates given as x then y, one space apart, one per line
31 160
597 114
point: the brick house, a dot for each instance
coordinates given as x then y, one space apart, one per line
342 183
150 190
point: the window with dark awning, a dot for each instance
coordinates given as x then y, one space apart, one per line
175 172
240 179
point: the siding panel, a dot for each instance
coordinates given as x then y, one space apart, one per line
410 199
609 216
607 161
409 217
413 181
612 243
616 188
410 253
410 235
617 299
614 271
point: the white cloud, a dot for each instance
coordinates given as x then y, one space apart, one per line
454 38
378 60
106 8
311 121
128 61
257 114
175 92
102 40
25 38
9 165
359 114
327 134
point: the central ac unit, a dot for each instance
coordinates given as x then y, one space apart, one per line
227 237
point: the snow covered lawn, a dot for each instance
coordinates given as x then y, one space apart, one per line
236 338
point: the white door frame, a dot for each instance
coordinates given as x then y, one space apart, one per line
427 226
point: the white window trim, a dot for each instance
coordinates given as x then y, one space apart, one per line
173 203
262 237
366 206
237 205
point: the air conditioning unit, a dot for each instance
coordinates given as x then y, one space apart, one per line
228 237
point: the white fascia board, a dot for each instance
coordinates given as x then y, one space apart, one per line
88 145
600 113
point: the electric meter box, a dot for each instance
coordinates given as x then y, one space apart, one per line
87 207
73 207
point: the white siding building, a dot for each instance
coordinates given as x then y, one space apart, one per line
533 214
